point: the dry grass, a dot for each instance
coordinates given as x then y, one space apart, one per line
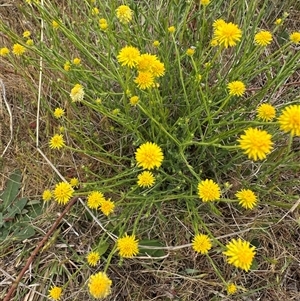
179 276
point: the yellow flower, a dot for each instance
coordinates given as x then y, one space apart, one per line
214 42
57 141
204 2
231 288
76 61
278 22
93 258
144 80
208 190
146 179
146 61
156 43
95 11
295 37
77 93
263 38
149 155
18 49
47 195
171 29
29 42
94 200
129 56
63 192
103 24
198 78
240 254
115 111
218 23
201 243
247 198
107 207
227 34
74 182
134 100
59 112
158 68
236 88
256 143
99 285
124 14
67 66
266 112
289 120
55 293
55 24
190 51
26 34
127 246
4 51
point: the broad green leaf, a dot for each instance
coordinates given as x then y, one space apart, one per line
152 252
102 248
16 208
23 231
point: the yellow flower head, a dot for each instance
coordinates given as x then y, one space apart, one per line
26 34
289 120
231 288
99 285
67 66
129 56
266 112
55 24
204 2
190 51
94 200
57 141
201 243
95 11
107 207
171 29
124 14
134 100
208 190
29 42
227 34
263 38
236 88
59 112
218 23
4 51
63 192
146 61
278 21
47 195
144 80
240 254
103 24
247 198
93 258
256 143
295 37
157 68
76 61
77 93
127 246
55 293
18 49
156 43
74 182
146 179
149 155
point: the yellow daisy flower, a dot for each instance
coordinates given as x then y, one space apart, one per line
266 112
74 182
94 200
93 258
263 38
231 288
99 285
289 120
76 61
63 192
190 51
59 112
144 80
201 243
95 11
67 66
146 61
55 24
149 155
18 49
156 43
129 56
134 100
247 198
127 246
256 143
208 190
77 93
57 141
171 29
240 254
29 42
278 21
295 37
47 195
55 293
4 51
204 2
26 34
236 88
157 68
227 34
146 179
124 14
107 207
